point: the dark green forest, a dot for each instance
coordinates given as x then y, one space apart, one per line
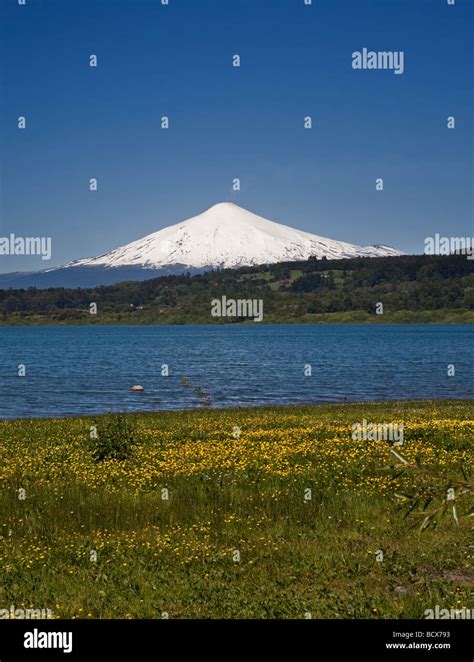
410 289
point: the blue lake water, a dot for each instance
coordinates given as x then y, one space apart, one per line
86 370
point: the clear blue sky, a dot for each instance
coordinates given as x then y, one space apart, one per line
176 60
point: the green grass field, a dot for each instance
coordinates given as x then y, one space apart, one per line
244 513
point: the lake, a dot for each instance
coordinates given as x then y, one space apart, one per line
90 369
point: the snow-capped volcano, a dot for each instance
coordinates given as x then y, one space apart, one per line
224 236
227 236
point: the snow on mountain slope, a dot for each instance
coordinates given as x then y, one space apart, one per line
227 236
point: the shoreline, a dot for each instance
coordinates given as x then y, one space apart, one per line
265 408
466 319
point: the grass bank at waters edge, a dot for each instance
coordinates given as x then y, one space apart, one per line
228 494
144 317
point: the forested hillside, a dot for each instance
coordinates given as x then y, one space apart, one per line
411 289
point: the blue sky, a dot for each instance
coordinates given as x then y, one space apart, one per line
228 122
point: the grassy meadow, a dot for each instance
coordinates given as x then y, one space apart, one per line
271 513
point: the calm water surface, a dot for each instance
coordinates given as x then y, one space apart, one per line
84 370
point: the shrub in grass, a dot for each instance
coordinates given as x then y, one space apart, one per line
115 439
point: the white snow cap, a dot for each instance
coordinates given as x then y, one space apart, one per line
225 236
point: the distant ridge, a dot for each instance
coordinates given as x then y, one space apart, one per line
224 236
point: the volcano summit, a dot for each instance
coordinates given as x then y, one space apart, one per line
224 236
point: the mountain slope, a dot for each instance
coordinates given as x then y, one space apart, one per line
224 236
228 236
